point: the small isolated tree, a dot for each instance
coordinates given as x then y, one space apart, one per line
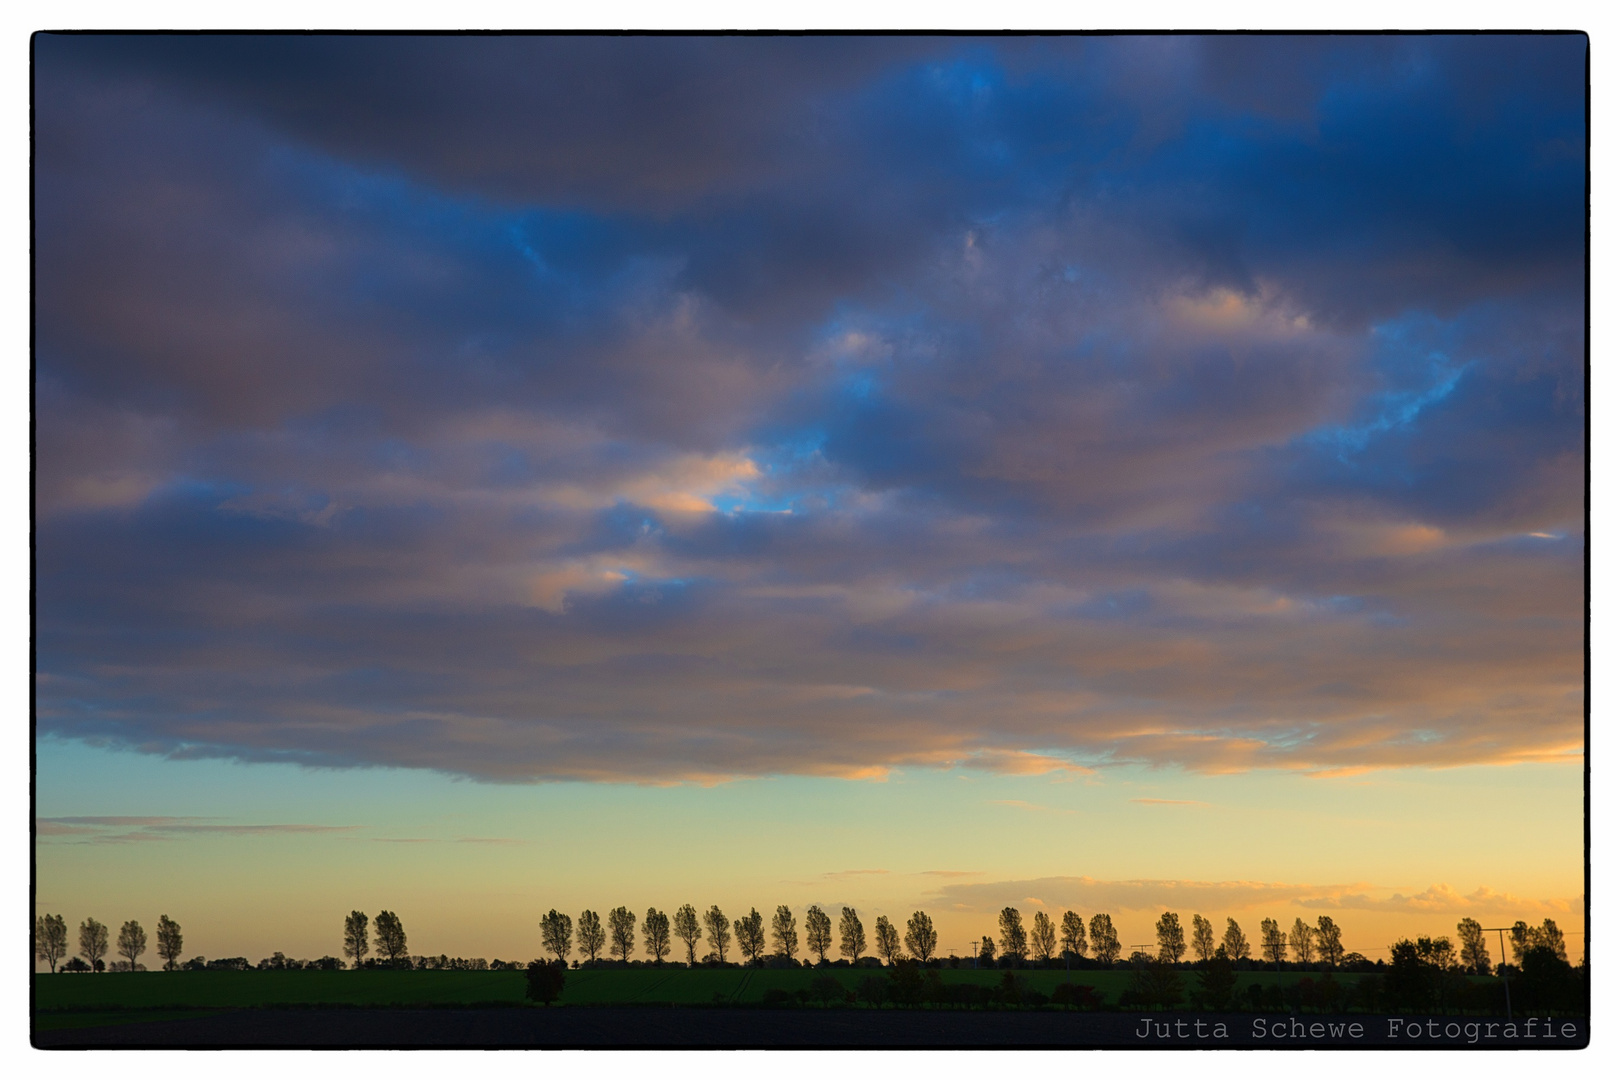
1172 943
1104 942
1302 939
545 981
1042 937
131 942
987 950
921 938
1074 934
655 934
50 939
751 934
170 942
785 932
714 920
1476 954
1235 944
389 934
1329 941
689 930
1014 942
622 931
887 940
1203 938
818 932
589 935
1273 943
851 935
92 942
557 934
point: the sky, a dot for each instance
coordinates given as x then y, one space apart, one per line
481 475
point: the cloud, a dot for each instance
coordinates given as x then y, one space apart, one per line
122 830
1237 896
812 406
1170 802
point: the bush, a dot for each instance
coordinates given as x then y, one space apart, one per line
1076 996
545 981
825 988
75 965
230 963
872 990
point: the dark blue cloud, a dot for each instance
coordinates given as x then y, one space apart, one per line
626 408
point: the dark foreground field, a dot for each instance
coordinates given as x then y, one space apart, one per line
739 1027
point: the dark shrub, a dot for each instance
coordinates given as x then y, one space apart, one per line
905 983
1076 996
545 981
778 997
872 990
825 988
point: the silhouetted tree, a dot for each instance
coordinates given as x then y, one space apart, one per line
785 932
1042 937
389 934
1235 944
557 934
1074 934
1273 943
50 939
886 939
1216 980
921 938
851 935
1172 943
987 950
688 930
1203 938
817 932
655 934
589 935
714 920
1014 942
170 942
355 941
622 929
1519 937
92 942
1476 952
1552 938
1329 941
1437 953
1302 939
131 942
1104 942
751 934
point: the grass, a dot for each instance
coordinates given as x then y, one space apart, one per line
602 986
144 994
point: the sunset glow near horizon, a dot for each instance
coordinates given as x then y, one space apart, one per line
476 476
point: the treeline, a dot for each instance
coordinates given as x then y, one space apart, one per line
1070 939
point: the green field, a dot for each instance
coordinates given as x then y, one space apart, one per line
641 986
77 1000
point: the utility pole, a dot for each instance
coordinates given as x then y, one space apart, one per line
1507 983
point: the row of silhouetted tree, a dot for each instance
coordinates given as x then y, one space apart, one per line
51 944
660 935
